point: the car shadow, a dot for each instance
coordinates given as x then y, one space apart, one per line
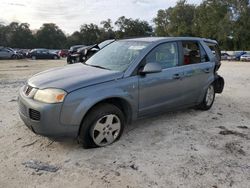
133 128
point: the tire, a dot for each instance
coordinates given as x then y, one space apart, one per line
208 100
55 57
33 57
103 121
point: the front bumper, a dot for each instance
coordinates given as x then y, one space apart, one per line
44 119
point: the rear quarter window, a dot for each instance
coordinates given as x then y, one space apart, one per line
215 49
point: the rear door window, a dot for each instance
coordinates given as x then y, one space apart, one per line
191 52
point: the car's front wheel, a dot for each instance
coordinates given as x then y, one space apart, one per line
33 57
208 100
102 126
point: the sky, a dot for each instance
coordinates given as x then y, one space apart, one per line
69 15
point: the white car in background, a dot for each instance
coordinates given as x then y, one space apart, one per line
245 57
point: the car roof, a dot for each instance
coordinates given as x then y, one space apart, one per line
157 39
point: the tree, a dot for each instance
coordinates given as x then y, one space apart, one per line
162 22
182 19
241 24
90 34
226 21
241 35
20 35
127 27
16 35
50 36
74 39
107 25
175 21
3 32
212 20
107 31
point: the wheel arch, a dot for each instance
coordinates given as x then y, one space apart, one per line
218 84
119 102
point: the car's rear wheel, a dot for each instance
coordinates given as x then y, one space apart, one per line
33 57
208 100
102 126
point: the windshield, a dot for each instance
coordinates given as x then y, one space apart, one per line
118 55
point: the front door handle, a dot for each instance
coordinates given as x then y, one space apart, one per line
177 76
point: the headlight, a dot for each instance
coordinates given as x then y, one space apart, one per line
50 95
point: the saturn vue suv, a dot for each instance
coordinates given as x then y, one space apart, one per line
126 80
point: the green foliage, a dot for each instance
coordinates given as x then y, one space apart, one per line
90 34
227 21
50 36
16 35
127 27
74 39
176 21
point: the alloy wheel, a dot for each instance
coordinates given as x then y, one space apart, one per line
210 95
106 130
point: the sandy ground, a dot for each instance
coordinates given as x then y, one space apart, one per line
188 148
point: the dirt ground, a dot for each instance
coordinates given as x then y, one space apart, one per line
188 148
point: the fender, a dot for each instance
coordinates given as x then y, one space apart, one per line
78 103
218 86
218 83
88 103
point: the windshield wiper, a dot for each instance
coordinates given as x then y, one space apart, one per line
98 66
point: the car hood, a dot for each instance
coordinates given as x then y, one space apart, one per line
72 77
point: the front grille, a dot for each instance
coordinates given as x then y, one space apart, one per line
27 90
34 115
22 108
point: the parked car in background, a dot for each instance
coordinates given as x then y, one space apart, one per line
22 52
18 54
245 57
55 51
8 53
225 56
72 50
63 53
42 53
238 55
127 80
84 53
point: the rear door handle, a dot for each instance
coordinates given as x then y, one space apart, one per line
207 70
177 76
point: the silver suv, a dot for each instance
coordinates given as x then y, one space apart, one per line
126 80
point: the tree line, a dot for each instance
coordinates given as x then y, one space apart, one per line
227 21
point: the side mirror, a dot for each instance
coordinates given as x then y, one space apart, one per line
151 68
